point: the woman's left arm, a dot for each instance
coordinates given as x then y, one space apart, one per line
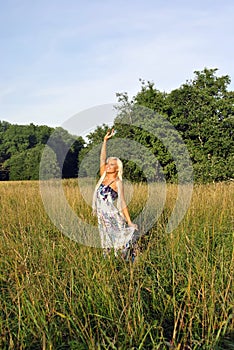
124 208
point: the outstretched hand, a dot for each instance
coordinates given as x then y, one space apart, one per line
109 134
135 226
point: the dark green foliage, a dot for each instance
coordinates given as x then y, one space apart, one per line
66 148
25 165
49 168
157 134
21 148
200 111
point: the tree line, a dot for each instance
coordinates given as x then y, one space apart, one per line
200 111
21 148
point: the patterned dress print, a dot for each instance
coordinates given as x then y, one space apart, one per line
114 232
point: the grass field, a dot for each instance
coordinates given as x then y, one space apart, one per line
57 294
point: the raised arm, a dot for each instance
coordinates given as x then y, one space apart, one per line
103 151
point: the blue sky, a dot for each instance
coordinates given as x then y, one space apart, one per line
60 57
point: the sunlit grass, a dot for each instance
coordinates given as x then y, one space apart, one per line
57 294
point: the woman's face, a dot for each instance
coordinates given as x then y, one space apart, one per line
111 166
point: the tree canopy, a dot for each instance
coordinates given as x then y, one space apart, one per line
200 111
21 147
158 132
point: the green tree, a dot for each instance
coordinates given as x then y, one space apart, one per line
201 110
25 165
49 167
144 125
21 148
67 148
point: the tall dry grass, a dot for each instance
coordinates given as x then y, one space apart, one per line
58 294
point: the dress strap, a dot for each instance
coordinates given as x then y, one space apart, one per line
111 182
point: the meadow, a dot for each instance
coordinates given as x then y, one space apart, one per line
59 294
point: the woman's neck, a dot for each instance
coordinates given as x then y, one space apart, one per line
111 177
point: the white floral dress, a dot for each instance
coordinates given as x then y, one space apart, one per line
114 232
